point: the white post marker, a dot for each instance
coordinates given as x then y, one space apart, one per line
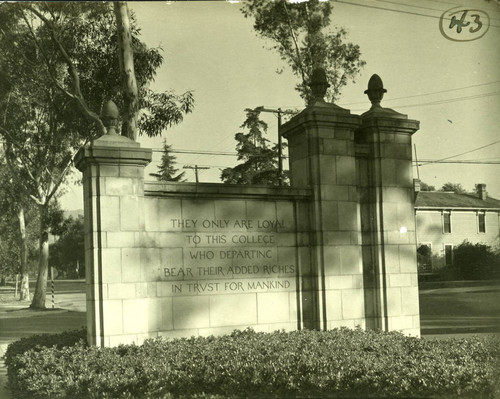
52 284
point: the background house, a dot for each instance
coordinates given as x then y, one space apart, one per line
445 219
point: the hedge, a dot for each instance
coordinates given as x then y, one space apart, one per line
246 364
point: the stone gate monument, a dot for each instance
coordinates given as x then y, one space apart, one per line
337 248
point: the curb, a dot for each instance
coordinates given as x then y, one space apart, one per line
460 330
425 285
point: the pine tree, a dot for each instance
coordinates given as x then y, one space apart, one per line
166 170
260 158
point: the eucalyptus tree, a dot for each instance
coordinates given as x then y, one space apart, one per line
15 241
60 63
303 36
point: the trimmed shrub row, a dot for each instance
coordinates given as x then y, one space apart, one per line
246 364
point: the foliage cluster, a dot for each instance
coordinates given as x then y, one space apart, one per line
301 33
457 188
68 251
454 187
39 341
246 364
476 261
59 64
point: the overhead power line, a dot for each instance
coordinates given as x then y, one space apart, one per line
471 162
463 153
440 102
436 102
399 11
423 7
197 152
452 100
427 94
459 5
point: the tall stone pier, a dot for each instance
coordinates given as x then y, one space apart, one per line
336 248
322 157
385 183
113 183
363 253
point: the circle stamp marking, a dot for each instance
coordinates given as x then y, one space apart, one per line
461 24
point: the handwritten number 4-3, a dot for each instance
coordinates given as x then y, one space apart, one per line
462 24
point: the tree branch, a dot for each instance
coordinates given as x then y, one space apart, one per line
14 171
77 95
295 42
62 175
126 57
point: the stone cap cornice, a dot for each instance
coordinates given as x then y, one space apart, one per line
381 112
389 124
327 115
103 152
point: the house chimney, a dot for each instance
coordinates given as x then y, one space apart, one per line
481 191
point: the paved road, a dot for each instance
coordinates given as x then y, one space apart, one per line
16 321
63 286
469 309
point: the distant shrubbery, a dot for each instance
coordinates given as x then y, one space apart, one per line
476 261
470 262
247 364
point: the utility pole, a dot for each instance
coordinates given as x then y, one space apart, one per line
196 168
279 112
416 160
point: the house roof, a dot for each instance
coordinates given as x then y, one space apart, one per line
450 200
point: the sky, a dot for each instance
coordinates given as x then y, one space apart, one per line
452 87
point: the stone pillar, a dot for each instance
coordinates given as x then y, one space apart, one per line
384 152
321 154
113 189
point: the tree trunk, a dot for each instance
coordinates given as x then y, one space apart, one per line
43 260
126 58
25 286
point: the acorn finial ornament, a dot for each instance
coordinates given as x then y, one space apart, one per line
375 90
110 116
319 84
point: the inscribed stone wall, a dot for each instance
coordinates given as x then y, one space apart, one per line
335 249
221 264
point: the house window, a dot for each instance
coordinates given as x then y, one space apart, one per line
446 222
448 254
481 222
424 258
